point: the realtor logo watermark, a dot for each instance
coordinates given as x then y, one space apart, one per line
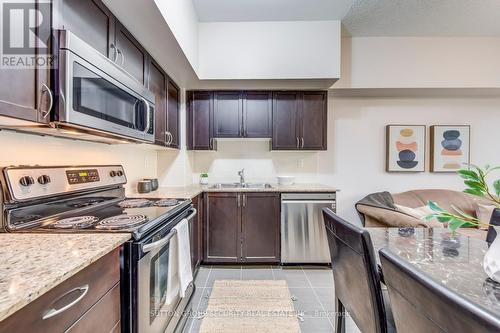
25 34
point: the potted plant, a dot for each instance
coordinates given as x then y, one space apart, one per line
204 179
476 182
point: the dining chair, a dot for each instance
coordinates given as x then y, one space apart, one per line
421 304
356 277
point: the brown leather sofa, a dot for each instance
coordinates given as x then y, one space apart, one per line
386 217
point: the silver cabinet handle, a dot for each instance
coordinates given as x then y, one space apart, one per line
46 89
211 143
171 138
54 312
122 55
302 139
238 200
115 55
165 138
244 200
298 142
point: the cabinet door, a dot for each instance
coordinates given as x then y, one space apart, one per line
157 82
228 115
130 54
260 227
24 93
200 117
91 21
222 237
173 102
257 114
285 120
313 120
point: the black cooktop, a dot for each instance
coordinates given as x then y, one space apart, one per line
96 214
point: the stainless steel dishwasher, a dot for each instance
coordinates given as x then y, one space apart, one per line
303 234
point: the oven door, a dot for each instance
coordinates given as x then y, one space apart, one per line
154 313
98 95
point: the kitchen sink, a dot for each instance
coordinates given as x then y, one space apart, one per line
238 185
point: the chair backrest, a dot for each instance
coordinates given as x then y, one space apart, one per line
357 281
419 304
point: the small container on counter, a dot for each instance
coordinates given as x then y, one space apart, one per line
154 183
144 186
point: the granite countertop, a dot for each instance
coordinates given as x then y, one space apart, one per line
191 191
32 264
455 261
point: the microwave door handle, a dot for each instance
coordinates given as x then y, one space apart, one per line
148 111
161 242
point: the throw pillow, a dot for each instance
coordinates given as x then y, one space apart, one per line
483 213
420 213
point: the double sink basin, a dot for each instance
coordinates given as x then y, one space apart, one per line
239 185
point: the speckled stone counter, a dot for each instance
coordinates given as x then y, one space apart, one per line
455 261
32 264
191 191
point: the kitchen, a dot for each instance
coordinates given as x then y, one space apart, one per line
104 155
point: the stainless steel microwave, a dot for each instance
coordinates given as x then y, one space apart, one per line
94 94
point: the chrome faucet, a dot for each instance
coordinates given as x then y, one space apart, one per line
241 173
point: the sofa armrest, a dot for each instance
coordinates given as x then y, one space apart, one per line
379 217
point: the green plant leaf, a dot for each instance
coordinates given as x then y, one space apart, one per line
468 174
444 219
475 185
496 185
455 223
474 192
435 207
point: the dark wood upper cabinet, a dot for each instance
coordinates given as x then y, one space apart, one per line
228 114
257 114
286 108
300 120
157 84
91 21
242 227
173 117
131 56
313 120
200 120
260 216
222 236
25 93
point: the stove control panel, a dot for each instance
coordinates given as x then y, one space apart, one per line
83 176
28 183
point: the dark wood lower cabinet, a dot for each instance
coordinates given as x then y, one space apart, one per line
97 289
222 234
242 227
260 216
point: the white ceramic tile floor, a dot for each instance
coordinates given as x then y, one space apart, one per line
312 288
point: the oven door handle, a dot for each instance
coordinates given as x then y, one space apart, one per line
161 242
148 111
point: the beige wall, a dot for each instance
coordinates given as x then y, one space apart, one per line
15 149
419 62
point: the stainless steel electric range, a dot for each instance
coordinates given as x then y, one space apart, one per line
92 199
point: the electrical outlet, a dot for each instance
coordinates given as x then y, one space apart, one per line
300 163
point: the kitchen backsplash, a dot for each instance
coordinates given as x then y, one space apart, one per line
261 165
16 149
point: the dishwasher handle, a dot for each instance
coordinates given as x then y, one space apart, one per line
308 201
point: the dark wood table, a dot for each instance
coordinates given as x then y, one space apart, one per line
455 261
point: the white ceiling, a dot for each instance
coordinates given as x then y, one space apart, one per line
367 17
270 10
423 18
